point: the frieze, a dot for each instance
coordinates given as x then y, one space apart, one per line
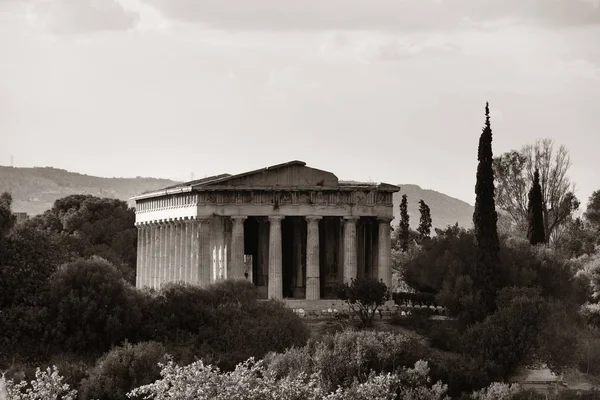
278 197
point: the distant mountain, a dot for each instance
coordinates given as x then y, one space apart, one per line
34 190
445 210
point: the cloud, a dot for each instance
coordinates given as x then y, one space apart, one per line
80 16
374 46
396 15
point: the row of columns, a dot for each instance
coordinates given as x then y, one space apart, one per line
179 251
173 251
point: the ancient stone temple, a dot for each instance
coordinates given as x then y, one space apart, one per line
292 230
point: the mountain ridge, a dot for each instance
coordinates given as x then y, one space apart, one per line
34 190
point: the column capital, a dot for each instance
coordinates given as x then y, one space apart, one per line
203 219
385 219
351 218
276 218
238 218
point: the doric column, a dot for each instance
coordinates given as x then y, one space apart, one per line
193 227
313 273
237 247
138 253
155 255
172 250
163 254
275 277
385 251
204 264
181 264
350 248
187 253
165 268
147 254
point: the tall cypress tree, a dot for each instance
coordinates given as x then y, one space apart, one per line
485 220
424 228
404 224
535 231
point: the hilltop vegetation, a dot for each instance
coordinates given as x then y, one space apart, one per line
445 210
34 190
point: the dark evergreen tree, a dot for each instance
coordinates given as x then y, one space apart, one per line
404 233
424 228
485 219
535 211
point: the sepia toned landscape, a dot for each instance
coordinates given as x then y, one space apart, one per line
261 200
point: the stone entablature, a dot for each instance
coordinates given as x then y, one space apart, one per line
302 228
272 196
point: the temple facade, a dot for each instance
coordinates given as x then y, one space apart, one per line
292 230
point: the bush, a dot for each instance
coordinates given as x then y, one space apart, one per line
48 384
223 323
342 358
525 329
250 380
364 296
91 307
122 369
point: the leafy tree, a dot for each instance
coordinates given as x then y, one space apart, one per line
7 219
364 296
576 239
515 173
535 232
450 249
404 227
91 307
89 225
526 329
485 218
592 213
425 222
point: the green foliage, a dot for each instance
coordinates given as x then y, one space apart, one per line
485 221
123 369
424 228
89 225
451 249
91 308
364 296
224 323
340 359
592 213
404 227
577 239
535 231
526 329
7 219
251 380
48 384
514 172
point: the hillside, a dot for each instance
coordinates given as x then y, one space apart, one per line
34 190
445 210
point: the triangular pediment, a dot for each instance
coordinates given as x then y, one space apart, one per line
290 174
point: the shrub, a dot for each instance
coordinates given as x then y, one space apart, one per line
250 380
122 369
91 307
224 323
364 296
47 385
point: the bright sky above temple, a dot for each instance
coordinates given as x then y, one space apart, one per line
383 90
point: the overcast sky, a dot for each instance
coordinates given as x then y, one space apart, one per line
382 90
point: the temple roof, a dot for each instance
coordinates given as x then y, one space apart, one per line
290 174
